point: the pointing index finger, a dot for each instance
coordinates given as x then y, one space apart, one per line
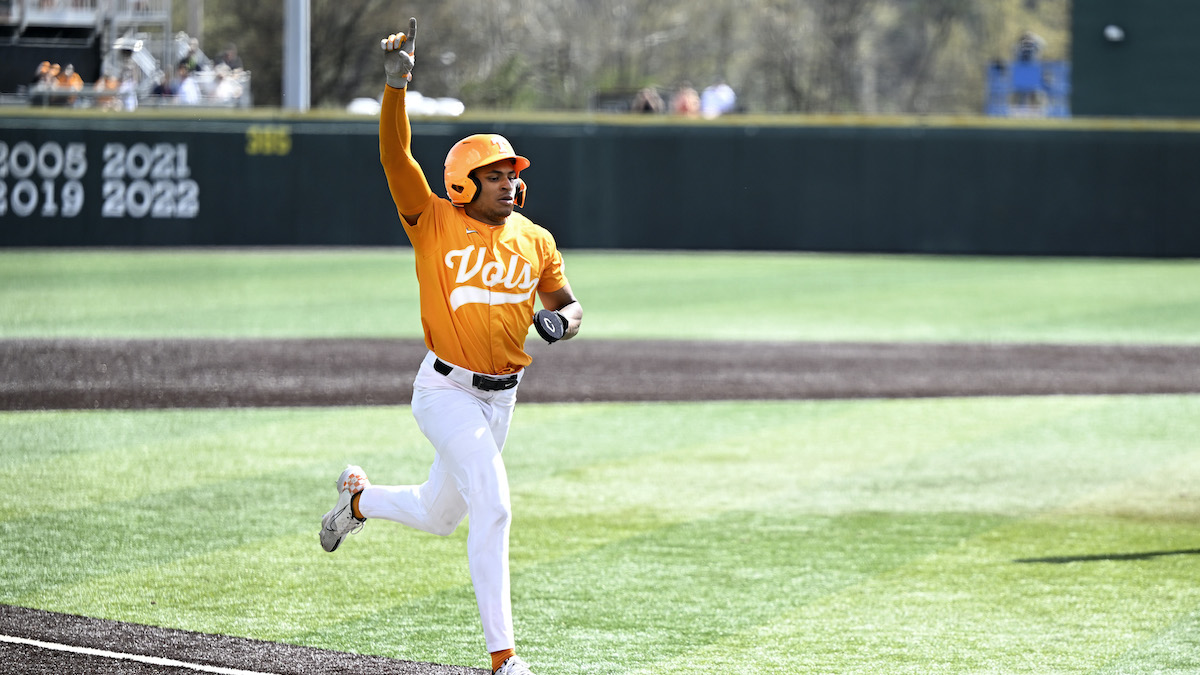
411 42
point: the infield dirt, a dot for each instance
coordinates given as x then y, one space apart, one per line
72 374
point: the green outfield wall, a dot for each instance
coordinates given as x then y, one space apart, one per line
1150 71
978 186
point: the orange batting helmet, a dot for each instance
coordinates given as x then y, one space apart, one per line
473 152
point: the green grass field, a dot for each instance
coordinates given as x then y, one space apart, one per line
984 535
372 293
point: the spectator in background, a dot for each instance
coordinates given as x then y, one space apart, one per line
70 81
127 89
229 57
195 59
50 85
188 91
41 76
106 90
226 88
647 101
685 101
43 84
717 99
1027 82
1029 47
997 89
164 87
102 88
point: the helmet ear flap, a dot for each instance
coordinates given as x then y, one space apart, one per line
463 193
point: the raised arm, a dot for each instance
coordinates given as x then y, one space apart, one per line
410 190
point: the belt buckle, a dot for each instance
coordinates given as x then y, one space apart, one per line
485 383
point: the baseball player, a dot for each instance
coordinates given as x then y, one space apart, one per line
479 266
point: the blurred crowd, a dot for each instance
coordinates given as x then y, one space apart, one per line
715 100
52 77
127 82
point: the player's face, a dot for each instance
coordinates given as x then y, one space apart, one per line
497 192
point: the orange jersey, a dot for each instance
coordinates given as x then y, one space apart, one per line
478 283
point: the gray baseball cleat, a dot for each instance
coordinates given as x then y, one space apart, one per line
340 520
514 666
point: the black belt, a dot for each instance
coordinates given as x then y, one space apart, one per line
481 382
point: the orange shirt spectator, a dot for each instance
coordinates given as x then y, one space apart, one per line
70 80
107 85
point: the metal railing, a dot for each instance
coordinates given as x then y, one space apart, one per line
24 13
76 13
108 99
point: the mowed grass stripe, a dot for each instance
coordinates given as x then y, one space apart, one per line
273 588
1065 591
98 457
819 456
195 293
1175 650
714 581
1051 452
973 608
698 295
871 298
72 547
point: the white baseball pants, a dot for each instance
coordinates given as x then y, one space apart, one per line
467 427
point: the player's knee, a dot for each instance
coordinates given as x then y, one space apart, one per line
492 515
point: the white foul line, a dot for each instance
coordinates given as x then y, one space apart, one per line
151 660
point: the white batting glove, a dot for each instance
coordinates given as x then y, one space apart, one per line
398 56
